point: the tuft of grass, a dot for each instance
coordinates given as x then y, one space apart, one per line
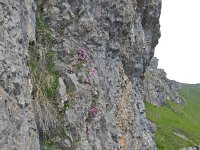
79 65
44 80
47 142
45 84
44 77
70 91
49 145
182 119
43 32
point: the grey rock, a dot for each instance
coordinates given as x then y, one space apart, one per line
191 148
119 37
106 108
61 95
17 124
157 87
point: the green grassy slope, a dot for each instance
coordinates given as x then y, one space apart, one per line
181 119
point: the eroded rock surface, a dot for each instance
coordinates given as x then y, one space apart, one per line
119 38
101 49
157 87
17 124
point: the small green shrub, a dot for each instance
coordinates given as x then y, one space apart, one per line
66 106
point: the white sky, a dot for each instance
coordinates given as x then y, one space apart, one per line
178 50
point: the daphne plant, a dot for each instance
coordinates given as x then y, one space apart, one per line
94 111
93 71
82 55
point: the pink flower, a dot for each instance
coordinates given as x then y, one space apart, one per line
93 71
82 54
94 111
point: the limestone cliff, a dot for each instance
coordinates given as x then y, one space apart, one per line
17 124
157 87
86 64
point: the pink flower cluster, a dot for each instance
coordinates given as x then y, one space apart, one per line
94 111
93 71
82 54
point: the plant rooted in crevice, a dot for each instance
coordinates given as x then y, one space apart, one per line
44 77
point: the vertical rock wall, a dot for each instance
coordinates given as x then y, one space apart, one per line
17 125
101 50
116 38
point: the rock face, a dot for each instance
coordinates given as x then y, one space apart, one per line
101 50
17 124
157 87
118 39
